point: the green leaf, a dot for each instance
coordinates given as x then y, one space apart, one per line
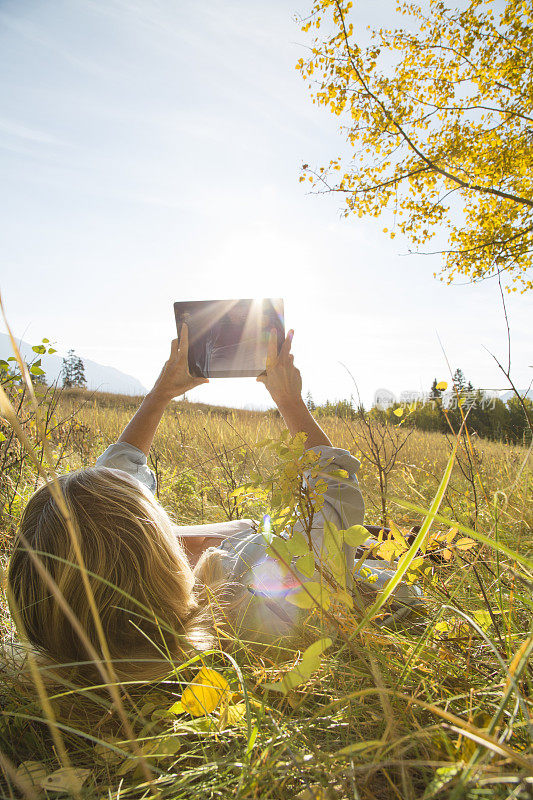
332 537
45 341
52 350
297 544
356 535
279 550
39 348
36 370
2 437
337 566
310 595
306 564
358 747
300 674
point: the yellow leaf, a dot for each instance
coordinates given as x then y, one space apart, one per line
465 544
442 626
389 549
205 693
483 619
442 386
516 660
398 411
339 473
279 551
450 536
235 715
356 535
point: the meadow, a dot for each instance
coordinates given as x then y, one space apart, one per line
437 707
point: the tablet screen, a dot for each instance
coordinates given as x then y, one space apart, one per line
228 338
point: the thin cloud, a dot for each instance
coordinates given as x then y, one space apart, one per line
19 131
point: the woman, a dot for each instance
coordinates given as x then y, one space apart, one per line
160 591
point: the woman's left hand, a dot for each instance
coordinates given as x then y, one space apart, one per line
175 378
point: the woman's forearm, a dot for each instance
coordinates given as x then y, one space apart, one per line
298 418
173 381
141 429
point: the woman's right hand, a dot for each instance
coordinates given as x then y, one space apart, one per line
281 377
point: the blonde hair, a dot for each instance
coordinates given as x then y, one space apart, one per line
145 591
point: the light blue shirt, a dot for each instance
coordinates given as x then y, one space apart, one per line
242 550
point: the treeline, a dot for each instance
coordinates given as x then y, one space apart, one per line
440 411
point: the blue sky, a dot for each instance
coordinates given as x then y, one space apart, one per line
150 151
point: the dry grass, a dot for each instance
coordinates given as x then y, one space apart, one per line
415 707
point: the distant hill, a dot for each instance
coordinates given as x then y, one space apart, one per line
99 377
507 395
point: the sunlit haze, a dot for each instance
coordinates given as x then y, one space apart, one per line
150 152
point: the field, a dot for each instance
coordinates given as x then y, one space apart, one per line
440 707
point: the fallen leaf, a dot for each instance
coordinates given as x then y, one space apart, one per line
31 773
66 779
205 693
464 544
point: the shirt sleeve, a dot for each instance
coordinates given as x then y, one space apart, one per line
264 612
343 501
130 459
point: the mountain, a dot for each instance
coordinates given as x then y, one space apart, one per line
507 395
99 377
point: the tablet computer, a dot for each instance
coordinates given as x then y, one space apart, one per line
229 338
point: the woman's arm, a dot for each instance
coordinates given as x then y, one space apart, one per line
173 381
284 383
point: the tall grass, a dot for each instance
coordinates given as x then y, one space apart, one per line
440 707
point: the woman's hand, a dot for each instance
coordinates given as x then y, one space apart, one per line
281 378
175 379
284 383
196 544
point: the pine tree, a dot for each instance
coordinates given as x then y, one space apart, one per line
310 403
79 374
73 371
459 380
67 371
435 393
